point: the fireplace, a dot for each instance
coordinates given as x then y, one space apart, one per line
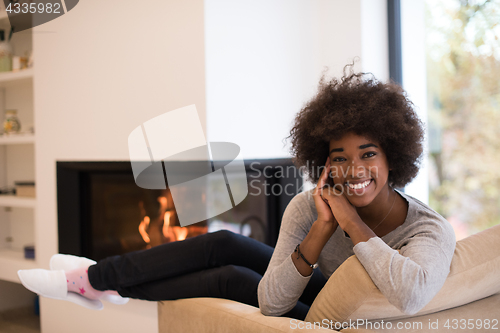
102 212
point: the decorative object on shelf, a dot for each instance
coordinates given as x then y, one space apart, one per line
16 63
25 189
19 63
5 53
7 190
11 123
30 60
29 252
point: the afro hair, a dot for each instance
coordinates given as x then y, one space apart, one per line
364 106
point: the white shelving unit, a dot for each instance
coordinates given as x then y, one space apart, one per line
17 225
14 201
10 77
17 139
11 262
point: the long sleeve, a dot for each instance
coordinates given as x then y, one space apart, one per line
409 279
282 285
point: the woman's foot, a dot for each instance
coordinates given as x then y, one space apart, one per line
68 263
78 282
68 280
53 284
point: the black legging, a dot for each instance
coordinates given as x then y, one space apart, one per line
220 264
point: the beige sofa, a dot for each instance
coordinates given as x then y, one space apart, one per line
468 302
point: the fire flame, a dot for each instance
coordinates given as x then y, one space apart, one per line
167 233
166 224
142 229
175 232
163 203
180 233
171 233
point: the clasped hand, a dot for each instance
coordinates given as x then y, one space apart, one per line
331 203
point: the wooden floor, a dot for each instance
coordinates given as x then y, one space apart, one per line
21 320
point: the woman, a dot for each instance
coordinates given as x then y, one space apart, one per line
371 139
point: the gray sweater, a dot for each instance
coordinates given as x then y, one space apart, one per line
409 279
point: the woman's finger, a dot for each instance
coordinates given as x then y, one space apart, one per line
322 182
338 189
324 175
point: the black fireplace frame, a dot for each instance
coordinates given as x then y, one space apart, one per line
73 193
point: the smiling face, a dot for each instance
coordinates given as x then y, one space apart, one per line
359 167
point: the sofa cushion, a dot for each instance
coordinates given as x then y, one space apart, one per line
350 294
223 316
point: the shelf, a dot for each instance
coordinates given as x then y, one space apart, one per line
9 77
14 201
11 261
16 87
15 139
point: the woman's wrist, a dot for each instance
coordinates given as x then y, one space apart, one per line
324 229
312 246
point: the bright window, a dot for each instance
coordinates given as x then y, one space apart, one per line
463 111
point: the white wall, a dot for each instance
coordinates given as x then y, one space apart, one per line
374 38
264 60
101 70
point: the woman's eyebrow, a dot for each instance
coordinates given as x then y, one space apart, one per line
360 147
368 145
336 149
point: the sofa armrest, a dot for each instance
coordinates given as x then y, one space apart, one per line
221 316
350 294
473 316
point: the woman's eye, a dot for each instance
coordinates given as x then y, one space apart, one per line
370 154
338 159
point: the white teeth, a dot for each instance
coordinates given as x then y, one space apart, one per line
358 186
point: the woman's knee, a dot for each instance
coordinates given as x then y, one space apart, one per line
218 248
238 278
236 273
236 283
223 238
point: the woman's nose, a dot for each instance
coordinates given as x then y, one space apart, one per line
358 169
361 172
